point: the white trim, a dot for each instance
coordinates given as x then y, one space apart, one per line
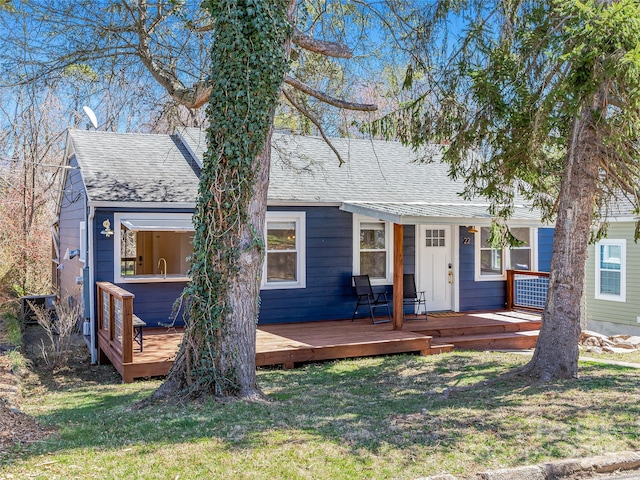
91 283
455 259
140 205
299 218
118 219
83 242
274 202
157 223
534 249
623 271
187 145
388 230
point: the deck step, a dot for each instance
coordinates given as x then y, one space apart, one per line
438 348
490 341
436 328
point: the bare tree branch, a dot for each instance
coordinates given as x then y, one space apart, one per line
323 97
191 97
315 121
304 41
329 49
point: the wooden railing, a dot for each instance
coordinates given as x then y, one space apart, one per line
115 318
527 290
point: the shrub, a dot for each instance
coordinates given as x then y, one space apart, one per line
59 325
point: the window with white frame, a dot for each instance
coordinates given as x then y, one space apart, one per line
372 249
520 256
152 247
492 263
611 270
285 259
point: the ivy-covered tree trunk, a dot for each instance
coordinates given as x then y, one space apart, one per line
249 60
556 354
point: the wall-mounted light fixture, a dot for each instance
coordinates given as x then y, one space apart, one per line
69 254
107 232
472 229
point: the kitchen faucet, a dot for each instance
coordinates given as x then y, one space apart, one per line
163 272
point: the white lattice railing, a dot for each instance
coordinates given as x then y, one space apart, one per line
527 290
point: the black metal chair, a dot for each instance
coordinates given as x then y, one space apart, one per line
410 295
366 296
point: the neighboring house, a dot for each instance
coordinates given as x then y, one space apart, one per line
611 303
127 201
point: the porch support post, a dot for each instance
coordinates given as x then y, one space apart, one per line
398 270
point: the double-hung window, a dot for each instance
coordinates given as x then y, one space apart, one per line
152 247
284 264
492 262
373 247
611 270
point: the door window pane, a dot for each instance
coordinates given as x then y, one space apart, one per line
434 238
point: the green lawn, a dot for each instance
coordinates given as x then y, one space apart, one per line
383 417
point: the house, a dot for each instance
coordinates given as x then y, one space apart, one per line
125 217
611 304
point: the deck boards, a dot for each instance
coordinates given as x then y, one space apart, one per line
288 344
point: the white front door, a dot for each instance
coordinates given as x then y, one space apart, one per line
434 270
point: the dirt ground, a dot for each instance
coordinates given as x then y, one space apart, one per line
15 426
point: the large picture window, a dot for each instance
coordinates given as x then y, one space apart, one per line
372 253
284 265
611 270
152 247
492 263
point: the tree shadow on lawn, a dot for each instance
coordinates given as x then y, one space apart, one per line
371 404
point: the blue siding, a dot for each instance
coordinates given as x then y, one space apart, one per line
72 212
476 295
492 295
545 249
329 258
154 301
329 294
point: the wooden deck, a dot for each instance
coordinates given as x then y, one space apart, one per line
288 344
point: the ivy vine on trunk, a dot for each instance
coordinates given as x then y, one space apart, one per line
249 61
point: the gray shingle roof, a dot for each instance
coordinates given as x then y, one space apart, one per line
132 167
380 179
378 176
305 169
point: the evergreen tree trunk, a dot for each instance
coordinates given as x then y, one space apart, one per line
556 354
249 60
